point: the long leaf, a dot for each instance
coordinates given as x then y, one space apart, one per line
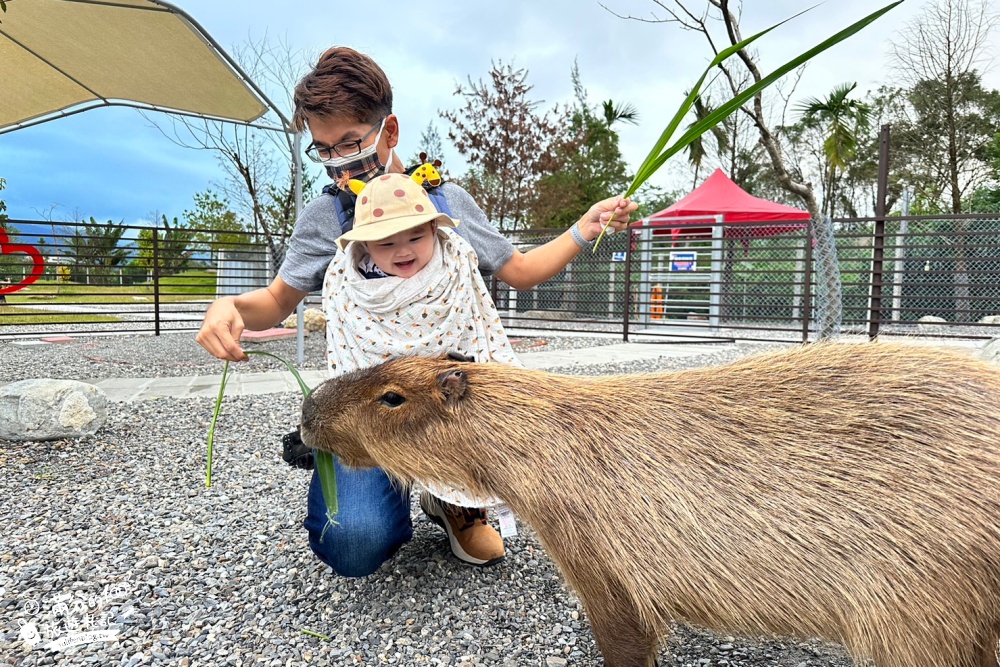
211 426
652 161
302 385
327 472
719 114
685 107
658 156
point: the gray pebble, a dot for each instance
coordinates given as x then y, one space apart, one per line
224 575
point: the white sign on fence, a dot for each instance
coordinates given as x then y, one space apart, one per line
618 256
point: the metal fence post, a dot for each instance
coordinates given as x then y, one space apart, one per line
156 282
899 269
878 239
628 284
716 284
807 278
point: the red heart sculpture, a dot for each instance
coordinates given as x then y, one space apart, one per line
6 248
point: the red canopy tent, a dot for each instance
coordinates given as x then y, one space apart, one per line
719 196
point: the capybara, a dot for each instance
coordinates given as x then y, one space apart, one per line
845 492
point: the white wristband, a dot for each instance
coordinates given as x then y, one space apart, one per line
578 237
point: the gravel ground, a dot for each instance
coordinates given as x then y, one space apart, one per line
224 576
177 354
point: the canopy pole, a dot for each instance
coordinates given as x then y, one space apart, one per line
56 115
299 309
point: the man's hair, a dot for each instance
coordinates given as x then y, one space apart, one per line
343 84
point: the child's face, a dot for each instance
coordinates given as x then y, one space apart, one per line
405 253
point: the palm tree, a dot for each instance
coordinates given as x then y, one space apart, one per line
626 113
96 249
696 150
843 121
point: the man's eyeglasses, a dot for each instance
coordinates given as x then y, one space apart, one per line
343 149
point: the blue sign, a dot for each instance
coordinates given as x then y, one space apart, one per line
683 261
618 256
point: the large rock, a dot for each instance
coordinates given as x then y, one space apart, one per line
931 324
991 351
312 318
51 409
990 319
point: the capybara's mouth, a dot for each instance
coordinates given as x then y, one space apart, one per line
306 436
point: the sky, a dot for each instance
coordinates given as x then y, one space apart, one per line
112 164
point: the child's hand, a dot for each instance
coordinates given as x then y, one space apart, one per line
593 222
220 332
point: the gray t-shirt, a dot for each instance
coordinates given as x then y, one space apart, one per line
314 239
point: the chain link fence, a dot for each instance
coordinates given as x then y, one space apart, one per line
703 280
707 281
940 275
588 295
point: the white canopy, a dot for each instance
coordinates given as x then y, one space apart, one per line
59 57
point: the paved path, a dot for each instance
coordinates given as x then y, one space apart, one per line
138 389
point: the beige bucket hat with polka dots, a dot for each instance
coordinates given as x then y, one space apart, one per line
390 204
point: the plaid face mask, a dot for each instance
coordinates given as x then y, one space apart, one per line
362 167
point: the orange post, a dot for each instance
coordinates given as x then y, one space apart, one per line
656 308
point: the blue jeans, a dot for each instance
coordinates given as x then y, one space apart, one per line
373 521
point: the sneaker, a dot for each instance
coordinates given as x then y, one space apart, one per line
473 540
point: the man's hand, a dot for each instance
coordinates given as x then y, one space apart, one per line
593 222
220 332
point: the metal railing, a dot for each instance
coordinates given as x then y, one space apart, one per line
936 276
121 278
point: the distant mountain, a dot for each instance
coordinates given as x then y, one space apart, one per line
29 233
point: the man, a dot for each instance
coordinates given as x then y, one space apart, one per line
345 103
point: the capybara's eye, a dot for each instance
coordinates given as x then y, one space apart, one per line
391 399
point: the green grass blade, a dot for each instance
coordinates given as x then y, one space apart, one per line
211 427
656 157
736 102
325 466
659 156
672 126
327 472
302 385
641 174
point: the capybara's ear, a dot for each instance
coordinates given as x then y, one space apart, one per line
458 356
454 384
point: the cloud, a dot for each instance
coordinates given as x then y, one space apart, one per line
111 165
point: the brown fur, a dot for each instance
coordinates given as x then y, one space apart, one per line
847 492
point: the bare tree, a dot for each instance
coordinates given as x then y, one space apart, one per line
258 163
943 48
939 54
719 23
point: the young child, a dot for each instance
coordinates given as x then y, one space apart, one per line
406 284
